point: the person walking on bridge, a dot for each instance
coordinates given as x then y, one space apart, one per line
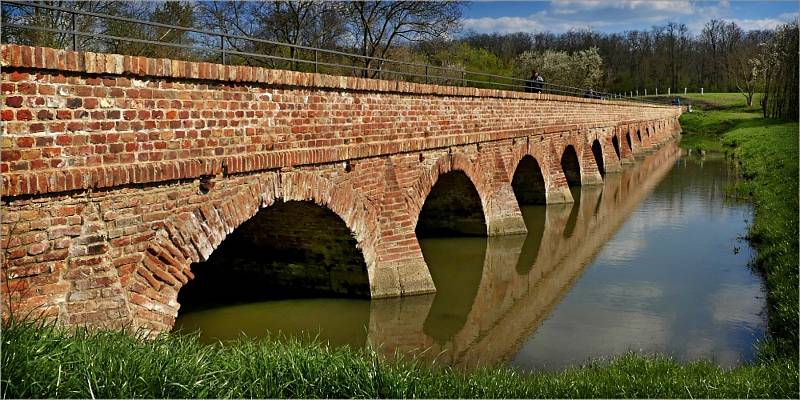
534 83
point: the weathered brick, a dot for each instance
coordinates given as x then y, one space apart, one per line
14 101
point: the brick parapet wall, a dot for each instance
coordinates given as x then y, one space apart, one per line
83 120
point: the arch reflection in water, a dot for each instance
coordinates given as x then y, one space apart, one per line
508 306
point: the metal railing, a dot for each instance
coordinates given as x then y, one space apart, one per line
227 49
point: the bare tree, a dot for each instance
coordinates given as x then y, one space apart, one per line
169 12
376 26
298 23
779 56
55 19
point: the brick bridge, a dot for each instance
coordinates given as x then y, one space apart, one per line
121 176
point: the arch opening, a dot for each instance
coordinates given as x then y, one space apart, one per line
528 182
597 151
615 143
571 166
290 249
630 142
453 208
639 135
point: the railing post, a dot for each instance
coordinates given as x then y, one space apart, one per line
463 78
426 73
316 61
74 36
222 47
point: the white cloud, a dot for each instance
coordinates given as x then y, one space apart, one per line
677 6
620 15
753 24
504 24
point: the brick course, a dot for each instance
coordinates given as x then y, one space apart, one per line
118 172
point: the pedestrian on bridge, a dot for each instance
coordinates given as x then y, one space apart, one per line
534 83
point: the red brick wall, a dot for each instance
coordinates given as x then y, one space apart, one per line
118 172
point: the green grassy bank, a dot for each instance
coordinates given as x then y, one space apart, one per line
713 114
43 361
46 362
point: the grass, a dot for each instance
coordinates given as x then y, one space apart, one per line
709 100
712 115
44 361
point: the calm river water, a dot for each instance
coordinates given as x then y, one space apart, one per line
651 261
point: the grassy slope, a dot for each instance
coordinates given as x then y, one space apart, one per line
712 115
46 362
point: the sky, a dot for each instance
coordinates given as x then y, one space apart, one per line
620 15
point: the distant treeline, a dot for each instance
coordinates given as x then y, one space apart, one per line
722 57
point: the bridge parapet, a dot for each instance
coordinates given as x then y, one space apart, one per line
76 120
119 172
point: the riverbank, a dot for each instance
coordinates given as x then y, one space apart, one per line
42 361
713 114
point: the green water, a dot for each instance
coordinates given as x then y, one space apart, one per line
650 261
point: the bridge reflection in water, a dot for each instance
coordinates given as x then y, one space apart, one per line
520 279
493 292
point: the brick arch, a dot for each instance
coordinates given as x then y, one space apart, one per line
447 163
542 171
579 159
615 143
539 153
192 236
598 155
629 140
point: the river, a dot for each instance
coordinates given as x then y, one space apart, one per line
652 261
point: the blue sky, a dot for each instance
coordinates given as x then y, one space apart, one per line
620 15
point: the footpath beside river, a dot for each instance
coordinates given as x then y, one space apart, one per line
44 361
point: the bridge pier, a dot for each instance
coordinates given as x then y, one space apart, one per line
610 156
558 189
503 216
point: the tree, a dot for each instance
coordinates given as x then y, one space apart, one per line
374 27
298 23
779 56
675 36
747 64
55 19
581 69
171 13
747 73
